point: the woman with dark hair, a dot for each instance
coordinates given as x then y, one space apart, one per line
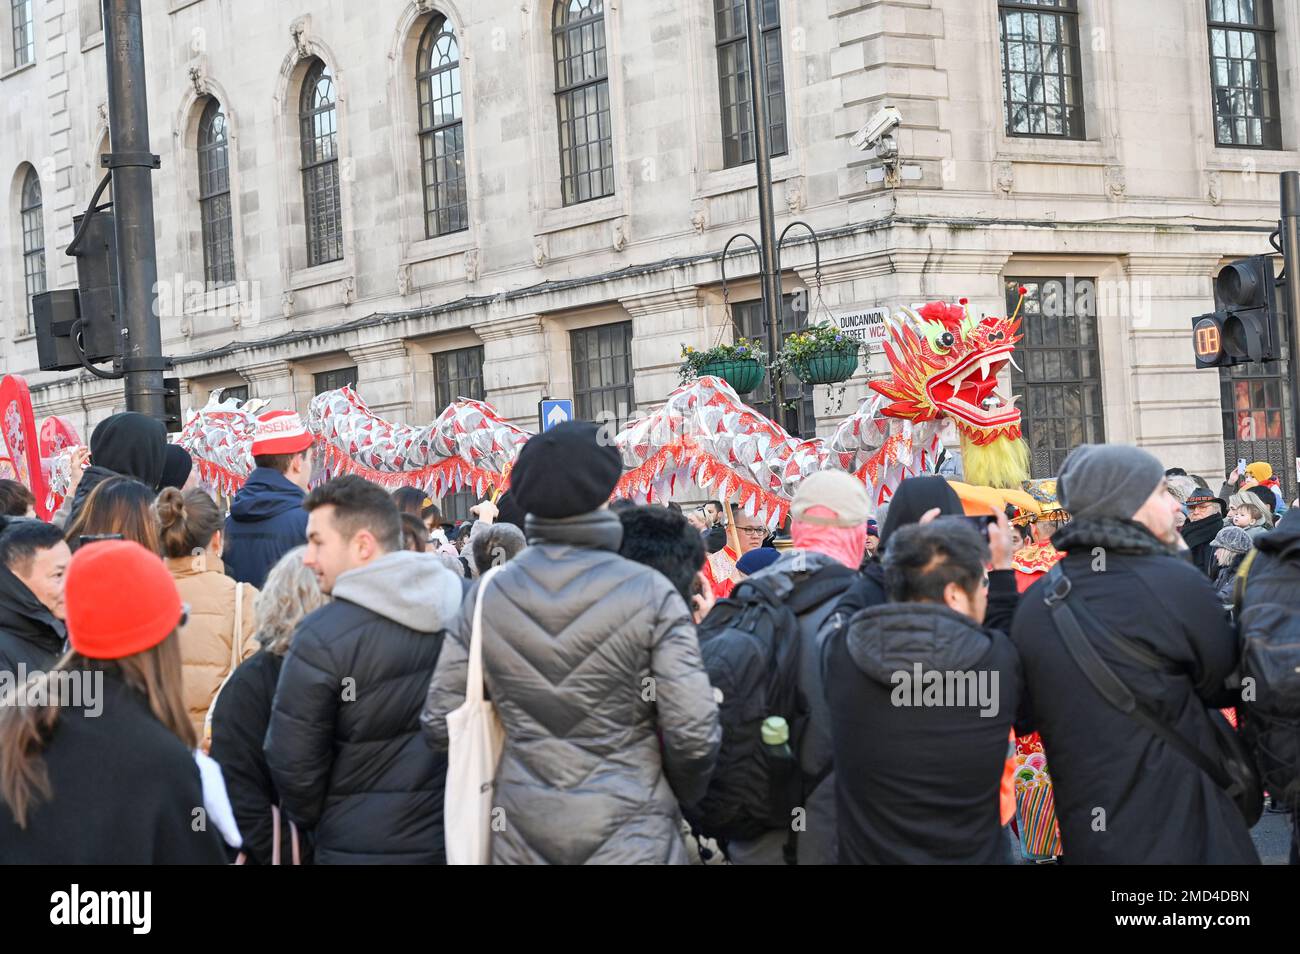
243 709
101 771
16 500
223 620
119 508
409 500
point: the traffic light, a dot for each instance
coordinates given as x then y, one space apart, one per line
172 404
1244 324
93 302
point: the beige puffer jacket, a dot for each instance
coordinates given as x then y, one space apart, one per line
206 638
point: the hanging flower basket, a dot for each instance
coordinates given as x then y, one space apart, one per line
827 368
742 365
821 354
743 375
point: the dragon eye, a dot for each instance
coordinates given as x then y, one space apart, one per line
945 340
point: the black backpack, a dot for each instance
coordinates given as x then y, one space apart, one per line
1268 613
751 649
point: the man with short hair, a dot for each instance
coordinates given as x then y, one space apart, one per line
1157 624
343 744
266 517
33 558
943 808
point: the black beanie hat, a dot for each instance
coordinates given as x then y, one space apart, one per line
177 465
569 470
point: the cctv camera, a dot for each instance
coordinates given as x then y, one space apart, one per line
885 121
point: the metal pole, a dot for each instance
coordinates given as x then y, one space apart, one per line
133 165
771 277
1290 228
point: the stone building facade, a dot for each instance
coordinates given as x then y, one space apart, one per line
1133 208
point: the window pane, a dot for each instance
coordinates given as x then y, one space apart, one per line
602 373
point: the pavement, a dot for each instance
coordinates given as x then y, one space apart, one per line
1272 837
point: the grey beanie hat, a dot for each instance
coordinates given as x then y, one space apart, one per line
1232 538
1107 480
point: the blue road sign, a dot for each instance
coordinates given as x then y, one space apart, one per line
555 412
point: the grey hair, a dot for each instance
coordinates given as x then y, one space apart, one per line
290 592
1181 488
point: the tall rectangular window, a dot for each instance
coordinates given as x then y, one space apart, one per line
582 100
1061 380
734 83
799 417
318 128
32 220
457 374
1243 73
1256 406
442 133
214 197
602 373
333 380
24 32
1042 79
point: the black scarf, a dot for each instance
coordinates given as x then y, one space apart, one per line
1196 532
1111 533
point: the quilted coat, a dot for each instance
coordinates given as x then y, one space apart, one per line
594 667
206 638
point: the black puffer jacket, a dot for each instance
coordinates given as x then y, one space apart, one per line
574 636
123 791
920 784
29 633
344 744
239 720
1123 795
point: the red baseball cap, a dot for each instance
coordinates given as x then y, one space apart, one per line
120 600
280 432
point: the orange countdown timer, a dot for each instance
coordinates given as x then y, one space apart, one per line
1209 343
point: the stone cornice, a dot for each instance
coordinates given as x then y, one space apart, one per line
266 371
510 327
1196 264
377 350
655 303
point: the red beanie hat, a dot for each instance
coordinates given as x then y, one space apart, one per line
120 600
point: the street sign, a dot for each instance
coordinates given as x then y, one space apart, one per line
867 325
553 412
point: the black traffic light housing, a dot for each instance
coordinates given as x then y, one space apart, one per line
1244 324
93 303
172 404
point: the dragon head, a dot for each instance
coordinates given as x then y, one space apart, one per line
945 364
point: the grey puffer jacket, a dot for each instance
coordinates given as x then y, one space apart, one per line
591 660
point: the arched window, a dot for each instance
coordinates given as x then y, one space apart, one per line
582 100
214 196
33 225
320 166
442 131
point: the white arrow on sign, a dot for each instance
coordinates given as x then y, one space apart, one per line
556 416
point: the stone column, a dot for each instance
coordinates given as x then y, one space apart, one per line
661 323
384 378
516 367
272 381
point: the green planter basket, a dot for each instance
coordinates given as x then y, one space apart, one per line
743 375
828 368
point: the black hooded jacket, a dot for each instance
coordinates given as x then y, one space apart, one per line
125 445
29 633
920 783
343 744
1101 759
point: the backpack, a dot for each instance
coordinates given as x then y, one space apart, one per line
750 646
1269 625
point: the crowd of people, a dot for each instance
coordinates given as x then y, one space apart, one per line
268 679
